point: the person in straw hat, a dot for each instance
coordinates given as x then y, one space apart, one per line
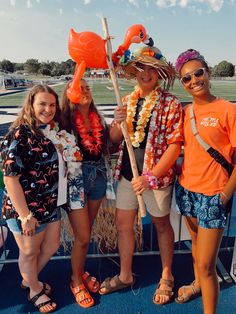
154 122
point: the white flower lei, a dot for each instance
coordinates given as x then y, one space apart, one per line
138 135
66 144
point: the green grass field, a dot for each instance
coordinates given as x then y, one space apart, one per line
103 93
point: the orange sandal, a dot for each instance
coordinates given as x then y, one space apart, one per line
82 296
90 282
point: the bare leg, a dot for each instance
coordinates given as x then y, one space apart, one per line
29 250
192 227
165 237
93 206
126 244
187 292
81 221
50 244
48 247
208 244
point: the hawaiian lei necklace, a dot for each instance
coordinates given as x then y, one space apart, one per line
65 143
150 101
93 142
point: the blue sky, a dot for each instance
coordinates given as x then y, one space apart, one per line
39 28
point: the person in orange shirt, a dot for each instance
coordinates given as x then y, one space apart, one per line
204 187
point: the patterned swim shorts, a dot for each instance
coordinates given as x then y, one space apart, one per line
209 210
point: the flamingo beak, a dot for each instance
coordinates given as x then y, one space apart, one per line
149 41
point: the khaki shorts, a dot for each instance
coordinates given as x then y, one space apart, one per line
158 202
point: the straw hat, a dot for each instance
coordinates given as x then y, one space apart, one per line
151 56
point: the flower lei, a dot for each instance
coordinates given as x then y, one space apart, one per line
138 136
66 143
93 142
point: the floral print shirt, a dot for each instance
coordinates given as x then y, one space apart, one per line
166 127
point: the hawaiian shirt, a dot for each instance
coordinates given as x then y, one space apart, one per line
34 159
166 127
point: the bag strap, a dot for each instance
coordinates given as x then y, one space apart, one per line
211 151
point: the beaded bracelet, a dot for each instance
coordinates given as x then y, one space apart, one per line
152 180
224 195
24 220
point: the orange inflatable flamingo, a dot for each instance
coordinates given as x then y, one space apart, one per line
88 49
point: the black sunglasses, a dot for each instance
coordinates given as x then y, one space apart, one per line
188 77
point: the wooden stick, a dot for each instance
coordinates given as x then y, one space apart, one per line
119 103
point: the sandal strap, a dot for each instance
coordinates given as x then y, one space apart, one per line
90 282
38 306
81 293
163 292
167 282
107 283
118 284
80 289
35 298
185 295
86 277
117 280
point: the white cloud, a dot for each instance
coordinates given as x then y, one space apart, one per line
13 3
29 4
38 1
60 11
147 3
134 2
214 5
183 3
86 2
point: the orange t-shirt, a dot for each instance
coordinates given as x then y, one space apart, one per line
216 124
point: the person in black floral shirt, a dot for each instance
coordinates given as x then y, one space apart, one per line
33 170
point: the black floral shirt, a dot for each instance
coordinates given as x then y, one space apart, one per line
33 158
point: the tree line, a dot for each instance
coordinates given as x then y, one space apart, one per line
33 66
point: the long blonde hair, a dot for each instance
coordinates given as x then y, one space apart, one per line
27 116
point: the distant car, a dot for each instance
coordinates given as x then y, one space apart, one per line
65 77
29 83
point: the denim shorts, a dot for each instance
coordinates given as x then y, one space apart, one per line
95 179
209 210
15 224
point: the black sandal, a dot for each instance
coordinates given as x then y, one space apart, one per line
40 305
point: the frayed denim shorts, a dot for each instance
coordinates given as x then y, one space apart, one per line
209 210
95 179
15 224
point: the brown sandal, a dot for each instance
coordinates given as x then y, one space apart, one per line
188 293
118 285
168 293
